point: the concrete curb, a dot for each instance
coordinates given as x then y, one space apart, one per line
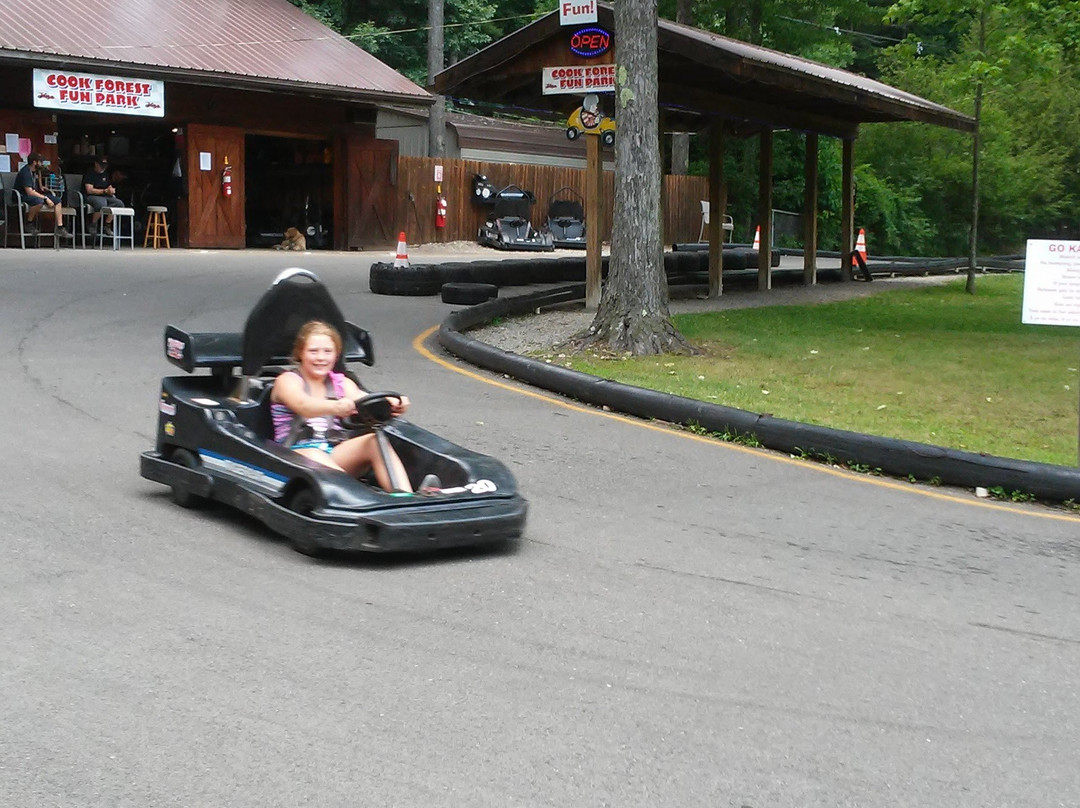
897 458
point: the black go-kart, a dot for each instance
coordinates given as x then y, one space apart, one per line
508 227
566 219
215 442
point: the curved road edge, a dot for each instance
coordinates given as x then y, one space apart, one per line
897 458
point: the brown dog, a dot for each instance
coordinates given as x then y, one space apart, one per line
294 240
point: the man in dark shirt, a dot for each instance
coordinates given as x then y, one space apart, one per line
35 196
100 193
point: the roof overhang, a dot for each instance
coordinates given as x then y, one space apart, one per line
703 78
262 45
207 78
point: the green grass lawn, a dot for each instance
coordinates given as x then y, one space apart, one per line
934 365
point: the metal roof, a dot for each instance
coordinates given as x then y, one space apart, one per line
481 134
266 44
702 76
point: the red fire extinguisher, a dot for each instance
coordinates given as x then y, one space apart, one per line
440 211
226 179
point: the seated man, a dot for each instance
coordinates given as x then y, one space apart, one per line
100 193
33 193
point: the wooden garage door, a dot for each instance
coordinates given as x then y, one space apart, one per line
370 187
213 219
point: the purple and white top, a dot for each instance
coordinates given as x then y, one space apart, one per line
283 417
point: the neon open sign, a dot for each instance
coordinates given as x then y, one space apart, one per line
590 42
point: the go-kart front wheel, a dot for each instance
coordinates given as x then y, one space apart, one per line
302 501
181 494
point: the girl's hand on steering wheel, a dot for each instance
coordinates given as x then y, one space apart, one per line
345 407
399 405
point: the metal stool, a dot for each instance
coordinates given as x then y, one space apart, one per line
119 215
157 228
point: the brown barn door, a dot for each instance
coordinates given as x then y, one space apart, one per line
215 220
370 193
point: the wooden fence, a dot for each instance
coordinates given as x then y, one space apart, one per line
416 195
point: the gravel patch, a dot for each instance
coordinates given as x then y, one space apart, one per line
543 332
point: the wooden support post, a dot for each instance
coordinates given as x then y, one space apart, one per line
594 175
847 209
717 209
765 172
810 210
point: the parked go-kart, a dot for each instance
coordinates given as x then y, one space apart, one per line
215 441
566 219
508 226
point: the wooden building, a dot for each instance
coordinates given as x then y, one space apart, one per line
709 84
172 89
492 140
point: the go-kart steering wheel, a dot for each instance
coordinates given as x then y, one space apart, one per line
373 409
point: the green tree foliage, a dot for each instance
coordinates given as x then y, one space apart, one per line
396 30
913 181
1030 113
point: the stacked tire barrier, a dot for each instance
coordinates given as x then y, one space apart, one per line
681 267
898 458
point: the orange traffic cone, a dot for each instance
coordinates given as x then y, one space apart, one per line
402 257
860 248
757 238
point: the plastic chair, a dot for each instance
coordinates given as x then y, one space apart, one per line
728 225
75 200
15 210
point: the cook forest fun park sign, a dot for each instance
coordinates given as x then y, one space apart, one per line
86 92
578 79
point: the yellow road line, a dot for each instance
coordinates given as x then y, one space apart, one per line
767 454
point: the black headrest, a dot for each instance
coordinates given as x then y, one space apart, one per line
295 298
512 206
566 208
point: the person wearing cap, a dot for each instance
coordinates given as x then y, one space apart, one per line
28 183
100 193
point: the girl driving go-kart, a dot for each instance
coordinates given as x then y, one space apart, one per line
308 403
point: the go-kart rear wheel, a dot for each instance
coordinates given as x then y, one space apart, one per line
302 501
182 495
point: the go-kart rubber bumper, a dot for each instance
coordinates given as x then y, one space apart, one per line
414 523
529 244
440 525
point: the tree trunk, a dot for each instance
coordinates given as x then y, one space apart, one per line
757 22
633 313
680 141
437 113
973 241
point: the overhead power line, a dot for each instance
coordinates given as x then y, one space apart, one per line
373 34
447 25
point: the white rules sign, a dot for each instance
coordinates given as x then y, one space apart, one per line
1052 283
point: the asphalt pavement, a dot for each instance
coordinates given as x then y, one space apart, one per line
685 622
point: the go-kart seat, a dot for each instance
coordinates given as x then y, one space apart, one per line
514 210
566 212
295 298
255 414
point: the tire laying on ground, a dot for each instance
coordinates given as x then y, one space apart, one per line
468 294
419 279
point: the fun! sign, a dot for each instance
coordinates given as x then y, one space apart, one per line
87 92
577 12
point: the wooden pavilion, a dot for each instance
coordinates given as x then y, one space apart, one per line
720 87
